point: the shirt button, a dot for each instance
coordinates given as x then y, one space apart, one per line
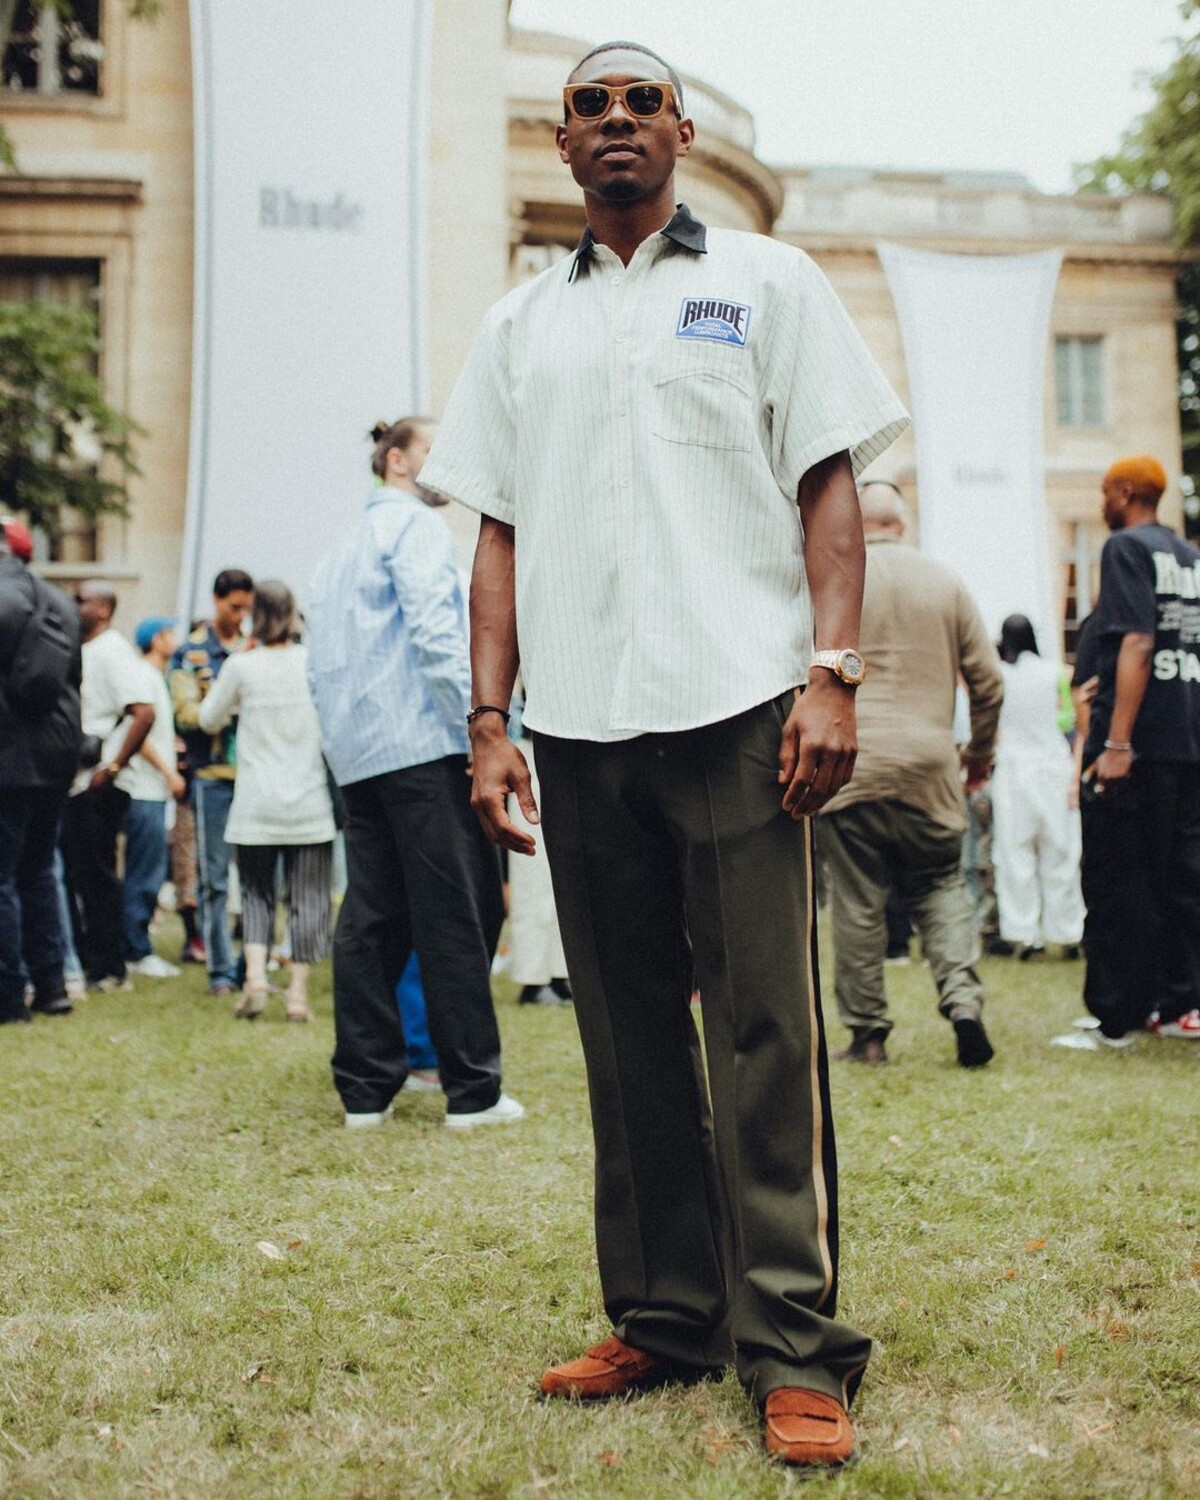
616 281
625 482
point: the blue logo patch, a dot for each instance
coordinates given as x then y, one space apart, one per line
714 319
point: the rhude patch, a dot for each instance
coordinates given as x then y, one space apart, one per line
714 319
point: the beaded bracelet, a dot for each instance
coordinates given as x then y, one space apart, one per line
1117 745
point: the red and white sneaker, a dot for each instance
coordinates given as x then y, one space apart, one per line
1187 1026
1154 1024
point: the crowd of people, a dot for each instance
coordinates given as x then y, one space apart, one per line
692 772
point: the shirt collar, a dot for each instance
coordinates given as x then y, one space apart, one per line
684 229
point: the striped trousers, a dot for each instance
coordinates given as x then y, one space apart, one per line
716 1179
308 881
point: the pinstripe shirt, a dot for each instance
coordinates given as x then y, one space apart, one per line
645 429
387 647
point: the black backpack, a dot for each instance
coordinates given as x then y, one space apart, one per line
49 644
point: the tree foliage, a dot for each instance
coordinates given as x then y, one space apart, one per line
1160 152
62 446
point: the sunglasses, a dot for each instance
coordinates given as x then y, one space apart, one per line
646 100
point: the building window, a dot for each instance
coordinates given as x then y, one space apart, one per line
50 52
1079 381
74 283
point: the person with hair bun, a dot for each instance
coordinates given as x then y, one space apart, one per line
390 677
282 808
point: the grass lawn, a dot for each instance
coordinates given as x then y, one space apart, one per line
209 1288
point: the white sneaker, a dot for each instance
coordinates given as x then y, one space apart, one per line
1086 1023
422 1081
1091 1041
503 1112
1187 1026
153 967
76 990
368 1119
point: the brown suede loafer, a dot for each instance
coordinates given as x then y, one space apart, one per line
612 1368
806 1427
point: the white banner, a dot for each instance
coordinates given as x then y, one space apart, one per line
975 329
309 272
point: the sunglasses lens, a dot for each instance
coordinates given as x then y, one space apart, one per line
645 100
589 103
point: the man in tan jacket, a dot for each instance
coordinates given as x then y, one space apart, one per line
899 824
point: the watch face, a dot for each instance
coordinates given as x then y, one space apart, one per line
853 666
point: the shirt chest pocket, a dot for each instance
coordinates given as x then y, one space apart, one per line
703 408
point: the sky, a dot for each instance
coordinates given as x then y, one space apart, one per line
1029 86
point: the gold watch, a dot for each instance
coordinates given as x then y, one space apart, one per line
847 665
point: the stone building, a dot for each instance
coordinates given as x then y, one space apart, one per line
102 208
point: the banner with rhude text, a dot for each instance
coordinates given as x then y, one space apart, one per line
309 272
975 329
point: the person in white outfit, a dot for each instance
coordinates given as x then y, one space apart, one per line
1036 831
538 963
281 803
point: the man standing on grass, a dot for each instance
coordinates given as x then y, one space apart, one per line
213 761
1140 787
39 751
154 783
899 825
661 433
116 710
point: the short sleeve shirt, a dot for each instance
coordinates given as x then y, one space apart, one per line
644 429
1149 585
113 678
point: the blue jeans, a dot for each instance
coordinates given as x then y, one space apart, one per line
30 936
212 801
72 968
145 871
411 995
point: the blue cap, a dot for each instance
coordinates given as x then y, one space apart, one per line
150 627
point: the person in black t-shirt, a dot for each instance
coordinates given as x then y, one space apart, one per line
1140 788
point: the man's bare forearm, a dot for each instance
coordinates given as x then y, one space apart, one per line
494 654
1133 677
834 551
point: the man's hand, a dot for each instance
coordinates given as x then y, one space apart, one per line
176 785
101 776
819 745
1112 765
498 768
975 772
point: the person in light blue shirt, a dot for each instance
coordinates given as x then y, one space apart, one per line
390 676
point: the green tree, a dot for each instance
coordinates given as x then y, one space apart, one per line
1160 152
61 445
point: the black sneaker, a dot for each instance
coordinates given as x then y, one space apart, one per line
51 1005
541 994
974 1049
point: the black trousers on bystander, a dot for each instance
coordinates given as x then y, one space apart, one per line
92 821
421 875
1141 886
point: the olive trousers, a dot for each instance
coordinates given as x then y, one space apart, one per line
715 1189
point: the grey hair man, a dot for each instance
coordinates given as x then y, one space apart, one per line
118 716
899 825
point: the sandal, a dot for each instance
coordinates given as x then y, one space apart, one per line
296 1010
253 1001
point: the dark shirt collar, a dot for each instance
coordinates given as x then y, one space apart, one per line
684 229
